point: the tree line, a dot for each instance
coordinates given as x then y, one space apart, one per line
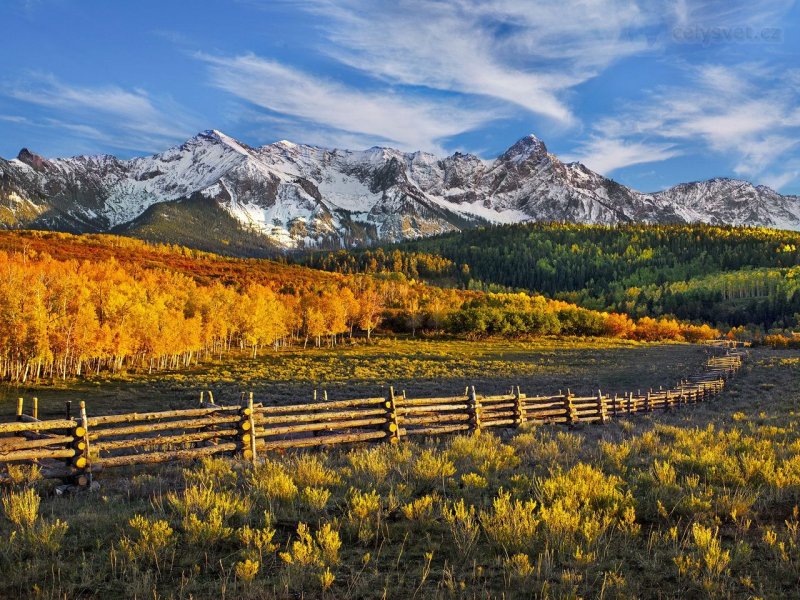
125 305
641 270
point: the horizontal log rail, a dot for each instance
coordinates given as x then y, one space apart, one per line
322 426
156 416
36 426
271 410
75 448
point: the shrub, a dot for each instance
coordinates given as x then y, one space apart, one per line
707 562
432 466
511 524
22 508
315 498
421 509
309 470
373 466
309 558
581 504
213 473
206 529
149 540
272 482
247 570
31 535
202 500
518 568
473 480
485 453
364 514
463 523
258 541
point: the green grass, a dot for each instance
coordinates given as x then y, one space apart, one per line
699 502
420 367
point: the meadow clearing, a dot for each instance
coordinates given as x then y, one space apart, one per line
699 502
419 366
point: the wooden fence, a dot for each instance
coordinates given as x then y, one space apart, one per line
75 448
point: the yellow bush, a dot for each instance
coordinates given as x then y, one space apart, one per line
365 513
212 473
202 500
272 481
150 539
315 498
247 570
22 508
485 453
206 529
707 562
511 524
420 509
473 480
464 526
432 466
309 470
258 540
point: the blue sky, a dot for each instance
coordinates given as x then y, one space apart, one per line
651 93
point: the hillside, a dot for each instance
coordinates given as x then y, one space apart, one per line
733 276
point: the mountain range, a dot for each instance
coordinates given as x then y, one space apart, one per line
216 193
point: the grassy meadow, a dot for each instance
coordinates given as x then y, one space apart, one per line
700 502
421 367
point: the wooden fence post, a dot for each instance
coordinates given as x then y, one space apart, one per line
569 407
68 409
647 406
251 413
519 408
247 434
474 408
81 444
35 413
629 401
601 407
392 422
20 403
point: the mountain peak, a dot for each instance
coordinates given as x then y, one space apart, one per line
299 196
524 148
31 159
216 136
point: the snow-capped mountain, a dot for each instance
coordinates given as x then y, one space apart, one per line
295 196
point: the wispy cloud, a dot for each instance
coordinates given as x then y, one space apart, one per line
747 112
129 119
408 120
605 155
429 70
525 53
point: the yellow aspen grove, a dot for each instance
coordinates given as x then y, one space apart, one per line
70 318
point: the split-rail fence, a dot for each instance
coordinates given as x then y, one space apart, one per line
76 447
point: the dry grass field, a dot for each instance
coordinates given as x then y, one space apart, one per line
700 502
421 367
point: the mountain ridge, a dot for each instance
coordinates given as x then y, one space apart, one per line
294 196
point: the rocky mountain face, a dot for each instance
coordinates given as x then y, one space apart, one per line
285 196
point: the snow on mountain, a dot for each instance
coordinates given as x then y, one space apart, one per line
296 195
